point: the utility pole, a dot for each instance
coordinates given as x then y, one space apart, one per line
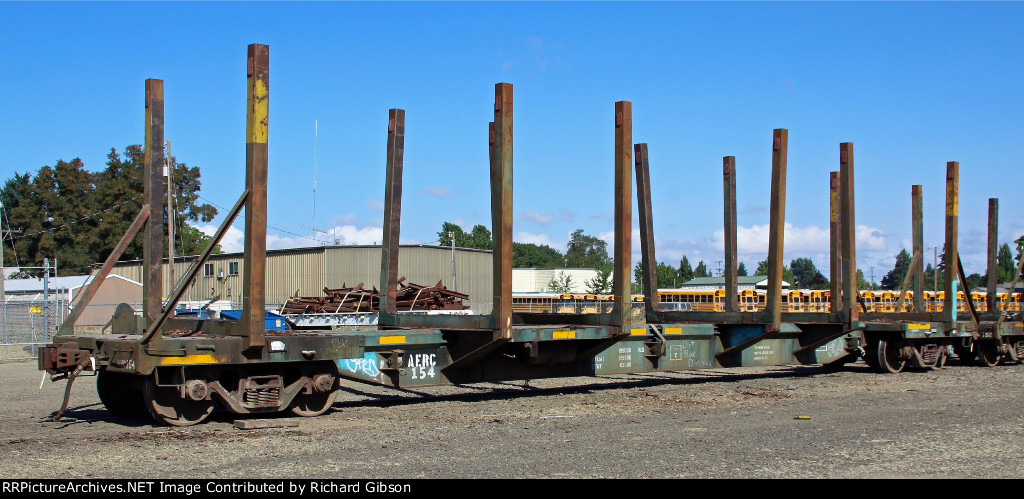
451 237
872 278
46 300
170 215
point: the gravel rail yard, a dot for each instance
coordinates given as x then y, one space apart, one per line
783 422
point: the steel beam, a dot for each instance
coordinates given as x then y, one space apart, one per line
731 270
835 259
392 216
254 272
501 209
68 326
848 229
917 218
152 246
622 309
151 338
950 257
648 260
777 221
991 301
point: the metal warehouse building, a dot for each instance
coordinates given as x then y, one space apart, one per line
307 271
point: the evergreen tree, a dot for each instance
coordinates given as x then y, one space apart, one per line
741 270
806 275
685 272
601 283
701 270
562 283
894 278
862 283
76 217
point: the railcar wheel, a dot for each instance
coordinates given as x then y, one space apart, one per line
118 395
988 353
313 404
889 358
167 406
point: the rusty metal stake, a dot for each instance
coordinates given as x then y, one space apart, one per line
951 255
392 216
917 215
835 260
731 270
152 247
647 260
773 305
993 247
254 273
68 326
622 308
501 209
848 229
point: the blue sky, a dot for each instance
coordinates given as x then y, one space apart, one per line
912 85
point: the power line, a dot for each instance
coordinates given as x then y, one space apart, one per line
268 225
51 229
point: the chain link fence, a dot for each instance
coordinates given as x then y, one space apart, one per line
25 325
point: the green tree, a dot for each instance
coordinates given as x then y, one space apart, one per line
1004 264
562 283
585 251
479 237
741 270
68 213
806 275
121 185
976 280
701 270
529 255
685 270
862 283
601 283
1020 247
762 269
638 277
894 278
929 278
667 276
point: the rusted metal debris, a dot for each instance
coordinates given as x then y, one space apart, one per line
408 296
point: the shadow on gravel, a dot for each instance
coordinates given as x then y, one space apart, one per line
406 397
93 413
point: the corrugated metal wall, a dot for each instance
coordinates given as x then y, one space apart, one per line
309 270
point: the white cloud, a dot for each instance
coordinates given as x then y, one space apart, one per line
233 240
869 239
537 218
437 192
375 205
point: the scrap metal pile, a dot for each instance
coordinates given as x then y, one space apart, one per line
409 297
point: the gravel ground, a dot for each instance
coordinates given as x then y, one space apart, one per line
964 422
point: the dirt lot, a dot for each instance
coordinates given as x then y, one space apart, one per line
737 423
